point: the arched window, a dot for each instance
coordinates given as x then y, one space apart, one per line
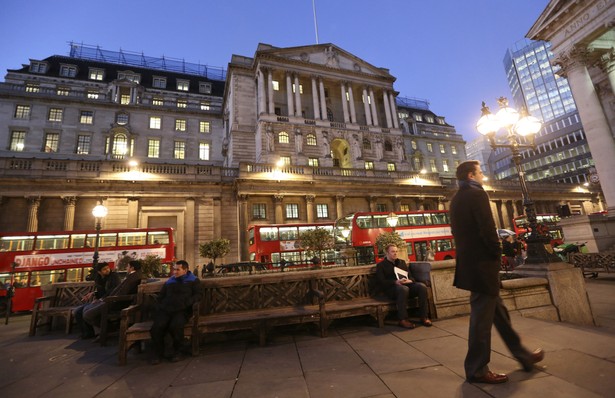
387 145
310 139
283 137
367 144
120 145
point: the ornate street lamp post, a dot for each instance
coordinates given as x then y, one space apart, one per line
99 212
392 220
518 125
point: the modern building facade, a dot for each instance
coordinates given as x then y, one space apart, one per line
300 134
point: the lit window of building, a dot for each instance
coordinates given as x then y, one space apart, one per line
33 88
276 85
121 118
83 144
285 160
55 114
204 127
155 122
153 148
310 140
18 140
283 137
157 101
322 210
96 74
442 148
52 141
369 165
182 103
93 94
390 166
183 85
180 124
429 147
292 211
64 91
204 151
205 106
179 150
86 117
22 112
259 211
445 165
454 149
432 165
313 162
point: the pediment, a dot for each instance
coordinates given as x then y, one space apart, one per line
325 55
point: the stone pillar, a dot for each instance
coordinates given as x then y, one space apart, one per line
396 203
353 114
309 200
33 206
323 101
298 141
244 219
496 215
279 211
133 212
289 95
298 107
608 65
595 124
69 212
506 219
339 206
191 248
315 99
420 204
368 116
373 106
387 108
394 117
271 108
371 201
262 104
344 102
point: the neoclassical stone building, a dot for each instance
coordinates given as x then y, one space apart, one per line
300 134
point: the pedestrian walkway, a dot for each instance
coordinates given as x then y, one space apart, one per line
356 360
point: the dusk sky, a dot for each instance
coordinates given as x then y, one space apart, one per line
448 52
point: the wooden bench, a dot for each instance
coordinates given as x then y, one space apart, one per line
109 314
592 264
63 298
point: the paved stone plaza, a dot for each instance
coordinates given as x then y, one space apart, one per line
356 360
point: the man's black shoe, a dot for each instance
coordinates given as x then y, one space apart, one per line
490 378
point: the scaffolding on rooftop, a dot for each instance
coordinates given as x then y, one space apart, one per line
122 57
411 102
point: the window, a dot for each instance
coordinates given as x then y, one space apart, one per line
18 140
93 94
413 144
51 142
391 166
429 147
153 148
180 124
65 91
453 149
38 67
313 162
204 127
388 146
404 207
418 117
96 74
155 122
182 103
33 88
22 112
55 115
68 70
432 164
131 77
283 137
83 144
183 85
159 82
292 211
367 144
301 89
440 120
381 207
442 149
121 118
259 211
369 165
310 140
285 160
157 101
205 106
204 151
429 119
204 88
276 85
322 210
86 117
120 145
445 165
179 150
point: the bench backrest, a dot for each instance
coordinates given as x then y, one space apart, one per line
69 294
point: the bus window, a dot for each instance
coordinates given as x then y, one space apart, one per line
269 234
106 239
42 278
158 238
416 219
131 238
428 220
288 233
364 221
20 279
50 242
251 235
78 241
439 218
73 274
443 245
402 220
16 243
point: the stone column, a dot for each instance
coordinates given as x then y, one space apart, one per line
420 204
309 200
289 95
371 201
191 249
496 215
506 219
271 108
323 101
396 203
368 116
339 206
279 211
262 104
373 106
353 114
298 107
344 102
387 108
69 212
595 124
244 220
315 98
608 65
34 203
133 212
394 117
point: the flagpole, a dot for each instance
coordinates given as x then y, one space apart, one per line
315 21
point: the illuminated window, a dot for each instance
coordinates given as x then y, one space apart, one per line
155 122
93 94
313 162
157 101
369 165
418 117
453 149
432 164
391 166
68 70
153 148
64 91
83 145
429 119
183 85
292 211
121 118
33 88
179 150
86 117
445 165
52 141
205 106
182 103
159 82
120 145
413 144
204 127
96 74
322 210
18 140
442 149
300 88
283 137
285 160
22 112
310 140
276 85
259 211
367 144
429 147
55 114
204 151
180 124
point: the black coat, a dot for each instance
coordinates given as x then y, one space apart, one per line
178 294
385 275
476 239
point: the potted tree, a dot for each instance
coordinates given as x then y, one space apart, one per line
151 266
316 241
387 238
214 249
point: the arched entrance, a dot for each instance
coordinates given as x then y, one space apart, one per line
340 151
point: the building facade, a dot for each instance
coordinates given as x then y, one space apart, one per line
300 134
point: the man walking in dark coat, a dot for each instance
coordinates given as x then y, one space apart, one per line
174 309
477 270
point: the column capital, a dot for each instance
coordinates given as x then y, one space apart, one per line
573 58
278 198
340 197
33 200
242 197
310 198
69 200
607 61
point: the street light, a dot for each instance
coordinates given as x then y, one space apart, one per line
518 125
99 212
392 220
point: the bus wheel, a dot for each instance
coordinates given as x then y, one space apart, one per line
448 258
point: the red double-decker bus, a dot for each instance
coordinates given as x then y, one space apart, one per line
276 244
419 229
29 260
546 221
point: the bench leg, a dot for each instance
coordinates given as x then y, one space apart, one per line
33 322
69 321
